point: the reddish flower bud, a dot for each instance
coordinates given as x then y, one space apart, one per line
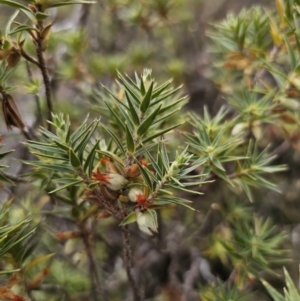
109 166
38 279
138 196
132 171
67 235
6 294
113 181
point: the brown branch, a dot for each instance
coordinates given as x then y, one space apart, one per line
190 278
97 198
280 149
128 263
85 13
29 58
40 46
96 287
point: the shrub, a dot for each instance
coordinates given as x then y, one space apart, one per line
171 189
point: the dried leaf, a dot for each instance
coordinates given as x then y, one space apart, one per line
11 113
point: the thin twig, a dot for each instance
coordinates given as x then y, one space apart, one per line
85 13
190 277
29 58
128 263
96 288
44 70
280 149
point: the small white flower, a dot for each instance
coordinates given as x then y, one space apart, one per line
113 181
116 181
146 222
134 194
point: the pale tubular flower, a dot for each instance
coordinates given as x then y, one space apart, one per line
113 181
116 181
134 194
146 222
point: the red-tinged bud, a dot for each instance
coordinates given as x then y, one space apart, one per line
138 196
132 171
37 280
109 166
6 294
12 281
143 162
18 298
67 235
105 160
113 181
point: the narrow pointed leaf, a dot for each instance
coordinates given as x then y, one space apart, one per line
115 98
275 294
153 162
115 138
129 141
157 91
36 261
142 86
88 164
74 160
145 175
74 2
117 118
16 5
162 132
132 110
66 186
129 219
147 98
2 155
145 125
291 53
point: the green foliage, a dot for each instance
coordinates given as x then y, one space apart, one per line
134 158
290 292
14 239
220 292
3 178
255 247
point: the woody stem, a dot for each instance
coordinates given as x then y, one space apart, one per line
128 263
44 70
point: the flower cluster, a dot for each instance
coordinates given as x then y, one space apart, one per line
113 182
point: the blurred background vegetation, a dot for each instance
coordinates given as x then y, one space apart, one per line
88 44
